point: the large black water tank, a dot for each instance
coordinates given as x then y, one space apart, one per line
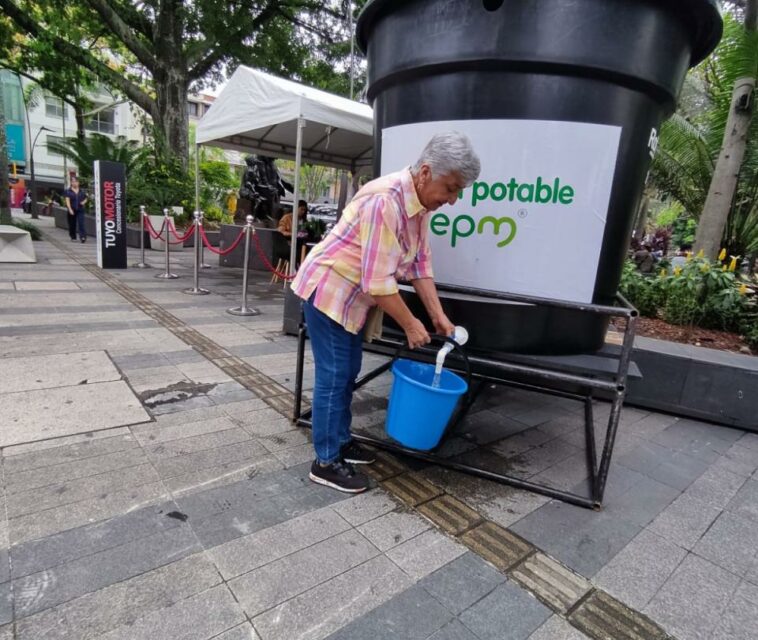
616 64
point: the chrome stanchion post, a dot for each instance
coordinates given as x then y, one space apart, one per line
142 264
244 310
202 248
167 230
196 290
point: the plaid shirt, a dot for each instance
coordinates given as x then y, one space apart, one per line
382 237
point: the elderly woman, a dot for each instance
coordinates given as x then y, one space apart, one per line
382 237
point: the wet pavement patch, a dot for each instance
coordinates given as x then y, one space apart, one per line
176 392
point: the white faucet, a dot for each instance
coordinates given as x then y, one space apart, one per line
461 337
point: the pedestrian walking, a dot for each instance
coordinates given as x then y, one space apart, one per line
76 198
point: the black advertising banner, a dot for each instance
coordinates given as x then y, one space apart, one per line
110 214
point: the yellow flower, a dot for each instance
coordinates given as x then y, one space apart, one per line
723 267
677 270
689 256
733 263
701 253
743 289
705 268
722 255
663 273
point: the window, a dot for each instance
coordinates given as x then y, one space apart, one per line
193 109
48 140
54 107
103 121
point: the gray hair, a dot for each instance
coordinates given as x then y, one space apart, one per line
450 152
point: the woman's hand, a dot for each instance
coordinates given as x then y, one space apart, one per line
443 326
416 334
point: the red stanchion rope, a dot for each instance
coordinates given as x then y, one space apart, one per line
151 229
221 252
181 239
266 262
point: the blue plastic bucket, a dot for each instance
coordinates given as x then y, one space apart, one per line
418 413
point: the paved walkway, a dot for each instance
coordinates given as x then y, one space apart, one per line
154 488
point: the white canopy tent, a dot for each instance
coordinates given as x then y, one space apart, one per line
263 114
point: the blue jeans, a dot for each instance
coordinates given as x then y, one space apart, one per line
337 356
77 220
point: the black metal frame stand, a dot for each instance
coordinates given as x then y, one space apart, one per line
500 371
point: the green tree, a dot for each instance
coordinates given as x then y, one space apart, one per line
153 52
691 142
100 147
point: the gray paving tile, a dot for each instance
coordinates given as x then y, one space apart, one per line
195 444
283 579
178 465
636 573
65 582
64 441
153 434
191 415
556 628
425 553
31 557
221 475
410 615
453 630
92 487
96 613
642 502
198 617
5 569
6 603
50 521
684 521
62 472
508 613
228 525
745 501
580 538
740 620
716 488
729 543
6 632
665 465
689 605
462 582
333 604
258 549
88 448
739 460
366 506
394 528
243 632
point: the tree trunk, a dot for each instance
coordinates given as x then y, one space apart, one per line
5 210
170 116
718 204
79 117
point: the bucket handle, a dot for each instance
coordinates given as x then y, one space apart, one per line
459 348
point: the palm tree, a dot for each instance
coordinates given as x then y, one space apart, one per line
690 143
100 147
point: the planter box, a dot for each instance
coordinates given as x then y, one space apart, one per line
270 241
696 382
159 245
214 237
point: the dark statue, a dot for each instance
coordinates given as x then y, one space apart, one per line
262 187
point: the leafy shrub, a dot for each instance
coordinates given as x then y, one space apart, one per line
34 232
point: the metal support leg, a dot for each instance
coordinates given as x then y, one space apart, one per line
142 264
196 290
167 230
244 310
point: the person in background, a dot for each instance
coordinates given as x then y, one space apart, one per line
644 259
382 237
285 222
680 259
75 199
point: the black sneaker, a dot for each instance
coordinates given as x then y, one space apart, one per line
354 453
84 240
339 475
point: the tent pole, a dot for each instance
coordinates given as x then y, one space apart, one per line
296 195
